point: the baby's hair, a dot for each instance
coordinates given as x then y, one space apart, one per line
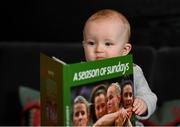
112 14
117 88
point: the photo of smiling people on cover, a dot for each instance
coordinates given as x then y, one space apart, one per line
103 103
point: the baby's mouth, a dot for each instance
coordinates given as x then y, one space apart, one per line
99 58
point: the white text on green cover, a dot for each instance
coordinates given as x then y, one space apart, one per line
101 71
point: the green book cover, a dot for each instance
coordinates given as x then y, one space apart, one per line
62 85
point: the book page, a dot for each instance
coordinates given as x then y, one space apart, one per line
58 60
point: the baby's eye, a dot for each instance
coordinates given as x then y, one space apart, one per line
91 43
108 43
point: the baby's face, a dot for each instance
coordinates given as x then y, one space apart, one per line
103 39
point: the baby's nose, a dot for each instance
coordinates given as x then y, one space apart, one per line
99 48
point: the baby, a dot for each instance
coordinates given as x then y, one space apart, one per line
106 34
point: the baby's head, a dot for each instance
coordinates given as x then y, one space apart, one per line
106 34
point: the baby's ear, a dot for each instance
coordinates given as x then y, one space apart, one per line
127 48
83 42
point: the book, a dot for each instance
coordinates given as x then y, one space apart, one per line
61 84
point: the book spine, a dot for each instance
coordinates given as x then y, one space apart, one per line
66 96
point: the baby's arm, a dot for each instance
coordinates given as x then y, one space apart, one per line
144 97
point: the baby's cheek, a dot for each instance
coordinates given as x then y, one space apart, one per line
88 56
114 54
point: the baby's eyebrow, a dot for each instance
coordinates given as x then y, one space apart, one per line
107 40
89 40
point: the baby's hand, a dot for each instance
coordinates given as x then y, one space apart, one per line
139 106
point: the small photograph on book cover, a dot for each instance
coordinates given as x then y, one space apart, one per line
91 102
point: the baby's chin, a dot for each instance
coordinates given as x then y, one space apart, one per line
95 59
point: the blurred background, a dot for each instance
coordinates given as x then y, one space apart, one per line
153 22
55 27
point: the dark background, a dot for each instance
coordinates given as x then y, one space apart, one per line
153 22
29 27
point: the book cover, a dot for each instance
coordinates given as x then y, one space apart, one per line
69 91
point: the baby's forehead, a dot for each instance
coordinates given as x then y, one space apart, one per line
111 22
116 21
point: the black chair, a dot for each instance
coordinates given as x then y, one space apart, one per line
166 74
20 64
69 52
144 56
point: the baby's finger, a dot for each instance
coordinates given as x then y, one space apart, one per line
142 111
135 102
136 106
144 108
139 109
